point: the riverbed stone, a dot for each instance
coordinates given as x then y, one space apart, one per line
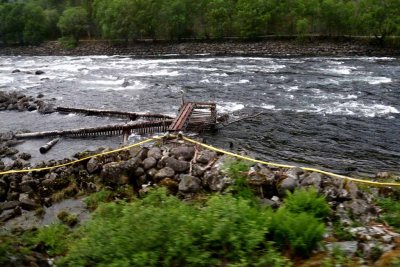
164 173
154 152
215 181
189 184
149 163
314 179
206 156
93 165
183 152
287 184
119 172
28 203
177 165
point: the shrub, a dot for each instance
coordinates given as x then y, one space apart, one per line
298 232
307 201
94 200
238 170
391 208
161 230
54 237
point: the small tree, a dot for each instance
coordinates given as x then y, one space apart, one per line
73 22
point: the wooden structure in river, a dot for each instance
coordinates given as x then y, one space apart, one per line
193 116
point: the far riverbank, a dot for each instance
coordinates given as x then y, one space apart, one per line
317 46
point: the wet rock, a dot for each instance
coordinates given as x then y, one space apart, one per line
16 71
45 108
7 215
39 72
93 165
9 205
189 184
40 95
3 190
149 163
183 152
154 152
295 173
164 173
54 181
177 165
28 203
25 156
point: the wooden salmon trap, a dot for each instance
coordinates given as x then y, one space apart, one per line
193 116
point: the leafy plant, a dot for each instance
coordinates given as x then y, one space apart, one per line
54 237
391 213
161 230
94 200
308 201
299 232
238 170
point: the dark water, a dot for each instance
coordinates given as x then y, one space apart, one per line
340 114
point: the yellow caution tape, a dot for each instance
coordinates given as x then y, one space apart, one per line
82 159
373 183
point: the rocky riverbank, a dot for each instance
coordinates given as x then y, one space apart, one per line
267 47
189 172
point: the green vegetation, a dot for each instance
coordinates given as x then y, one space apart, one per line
32 21
391 208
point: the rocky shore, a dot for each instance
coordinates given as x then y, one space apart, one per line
189 171
267 47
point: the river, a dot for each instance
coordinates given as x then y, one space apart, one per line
339 114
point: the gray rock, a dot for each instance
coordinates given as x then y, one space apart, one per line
28 203
119 172
93 165
314 179
206 156
25 156
9 205
183 152
348 247
215 181
45 108
9 214
166 172
189 184
149 163
177 165
39 72
287 184
139 172
197 171
154 152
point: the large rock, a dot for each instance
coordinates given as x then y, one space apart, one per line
177 165
28 203
149 163
154 152
216 181
119 172
314 179
45 108
166 172
183 152
206 156
54 181
93 165
189 184
287 184
3 190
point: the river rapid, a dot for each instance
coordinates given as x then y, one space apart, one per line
339 114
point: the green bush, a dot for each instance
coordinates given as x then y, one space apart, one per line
298 232
54 237
391 208
238 170
162 230
95 199
68 42
307 201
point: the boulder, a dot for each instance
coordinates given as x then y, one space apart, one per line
149 163
183 152
206 156
119 172
28 203
287 184
154 152
39 72
45 108
164 173
93 165
314 179
25 156
215 181
177 165
189 184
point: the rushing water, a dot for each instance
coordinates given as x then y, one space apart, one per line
336 113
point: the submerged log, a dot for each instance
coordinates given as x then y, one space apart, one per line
113 113
117 129
48 146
